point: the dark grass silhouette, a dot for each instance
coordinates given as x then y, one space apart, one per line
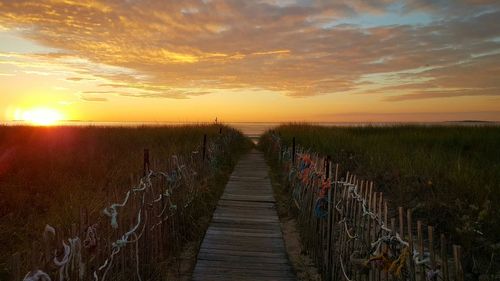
450 175
48 173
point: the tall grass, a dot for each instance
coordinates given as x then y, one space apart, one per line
48 174
450 175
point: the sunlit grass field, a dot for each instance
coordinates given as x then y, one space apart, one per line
450 175
48 173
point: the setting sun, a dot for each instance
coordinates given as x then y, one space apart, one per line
40 116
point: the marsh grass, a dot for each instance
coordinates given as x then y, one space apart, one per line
450 175
47 174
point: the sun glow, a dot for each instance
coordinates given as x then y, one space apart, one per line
40 116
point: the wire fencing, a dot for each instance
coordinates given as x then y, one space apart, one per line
349 229
137 234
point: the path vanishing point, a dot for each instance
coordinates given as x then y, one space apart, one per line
244 240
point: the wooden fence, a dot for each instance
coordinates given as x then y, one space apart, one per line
136 237
350 230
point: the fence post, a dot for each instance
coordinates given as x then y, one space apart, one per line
293 150
204 146
15 267
49 241
457 259
327 167
35 255
444 258
401 222
410 241
430 231
420 238
146 166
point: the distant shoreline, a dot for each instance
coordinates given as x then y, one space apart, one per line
83 122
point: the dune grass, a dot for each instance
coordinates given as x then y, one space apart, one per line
450 175
48 173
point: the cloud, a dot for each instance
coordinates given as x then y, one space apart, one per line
97 99
78 79
93 97
429 116
178 49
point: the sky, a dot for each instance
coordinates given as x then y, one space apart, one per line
251 61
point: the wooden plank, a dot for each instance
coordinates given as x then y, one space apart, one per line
242 229
244 215
254 198
254 272
233 277
241 240
244 247
228 218
242 259
248 235
233 203
223 264
251 225
242 253
235 240
244 212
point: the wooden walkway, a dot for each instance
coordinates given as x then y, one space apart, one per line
244 240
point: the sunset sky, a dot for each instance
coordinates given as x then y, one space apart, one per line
262 60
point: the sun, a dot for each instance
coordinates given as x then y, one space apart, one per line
41 116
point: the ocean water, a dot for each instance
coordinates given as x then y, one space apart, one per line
254 130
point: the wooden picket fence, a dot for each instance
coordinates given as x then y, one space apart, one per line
350 231
153 220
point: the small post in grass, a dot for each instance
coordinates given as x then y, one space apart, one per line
293 150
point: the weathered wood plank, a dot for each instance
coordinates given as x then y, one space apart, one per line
241 259
248 225
244 230
245 211
232 203
254 198
241 253
244 247
247 235
255 272
223 264
229 218
233 277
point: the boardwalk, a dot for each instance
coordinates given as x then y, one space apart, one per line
244 240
